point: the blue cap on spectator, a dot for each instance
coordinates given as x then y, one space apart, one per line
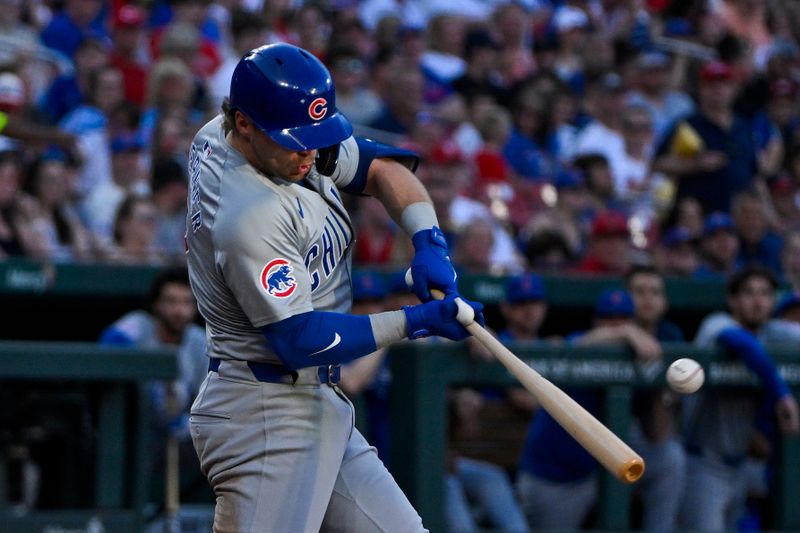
788 302
127 143
525 288
652 60
568 179
676 236
368 286
614 303
717 221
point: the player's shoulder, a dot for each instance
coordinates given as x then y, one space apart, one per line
136 325
712 326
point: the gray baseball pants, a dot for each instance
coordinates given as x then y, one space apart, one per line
286 458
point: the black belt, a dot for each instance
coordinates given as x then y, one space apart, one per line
272 373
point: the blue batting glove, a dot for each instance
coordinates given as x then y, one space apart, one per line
431 267
438 317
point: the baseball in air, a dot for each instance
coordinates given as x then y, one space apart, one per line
685 375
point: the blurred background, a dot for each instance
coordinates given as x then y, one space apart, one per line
603 171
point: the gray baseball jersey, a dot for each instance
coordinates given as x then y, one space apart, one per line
261 249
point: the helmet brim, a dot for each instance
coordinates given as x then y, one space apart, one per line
328 132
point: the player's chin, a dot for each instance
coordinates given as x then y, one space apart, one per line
298 173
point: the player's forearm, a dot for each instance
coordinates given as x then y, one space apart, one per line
324 338
398 189
745 345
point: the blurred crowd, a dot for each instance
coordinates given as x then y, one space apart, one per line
580 136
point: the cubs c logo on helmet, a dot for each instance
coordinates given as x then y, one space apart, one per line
276 279
318 109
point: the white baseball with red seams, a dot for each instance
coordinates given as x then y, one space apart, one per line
685 375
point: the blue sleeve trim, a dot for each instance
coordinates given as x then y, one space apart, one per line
320 338
369 150
114 337
748 348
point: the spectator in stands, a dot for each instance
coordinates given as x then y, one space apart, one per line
634 182
570 24
16 236
402 101
173 133
566 216
788 308
128 53
557 483
448 178
654 91
168 322
719 248
58 233
689 214
524 308
676 254
711 153
513 22
312 28
523 150
442 61
77 20
783 197
599 180
757 243
169 188
605 102
170 88
548 252
654 435
70 89
89 123
135 230
378 243
354 97
609 248
189 31
472 252
790 259
127 177
718 424
481 77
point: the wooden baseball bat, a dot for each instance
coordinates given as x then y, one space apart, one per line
609 450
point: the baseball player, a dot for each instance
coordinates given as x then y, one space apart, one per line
269 255
718 424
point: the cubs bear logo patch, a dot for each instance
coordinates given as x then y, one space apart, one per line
276 278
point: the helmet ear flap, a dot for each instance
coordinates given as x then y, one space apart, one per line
326 159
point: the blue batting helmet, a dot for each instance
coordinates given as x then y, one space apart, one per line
289 94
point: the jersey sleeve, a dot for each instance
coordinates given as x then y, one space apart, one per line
258 254
355 156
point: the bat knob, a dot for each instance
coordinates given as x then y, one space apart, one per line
466 314
632 470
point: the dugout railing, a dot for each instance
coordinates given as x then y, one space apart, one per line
423 372
108 384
